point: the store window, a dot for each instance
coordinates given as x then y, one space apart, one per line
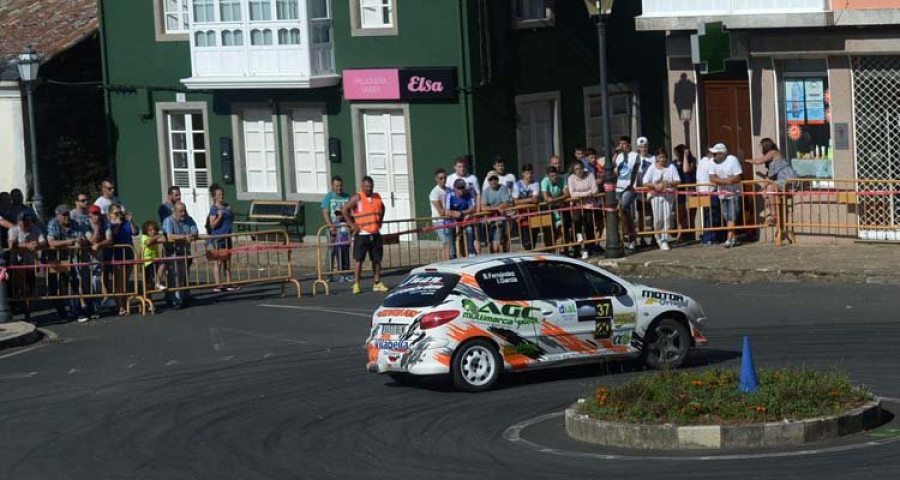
805 115
256 154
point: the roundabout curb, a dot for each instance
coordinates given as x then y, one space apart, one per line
758 435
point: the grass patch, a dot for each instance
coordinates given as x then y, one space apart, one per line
712 397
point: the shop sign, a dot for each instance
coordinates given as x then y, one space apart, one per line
408 84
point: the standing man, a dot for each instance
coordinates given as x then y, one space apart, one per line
495 200
506 179
459 207
726 175
179 230
709 214
63 235
626 166
99 235
107 196
436 200
555 191
527 192
364 213
461 171
79 214
581 156
338 236
165 209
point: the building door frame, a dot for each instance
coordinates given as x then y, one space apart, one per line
744 132
556 149
359 151
163 110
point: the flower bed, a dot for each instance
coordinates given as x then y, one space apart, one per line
712 397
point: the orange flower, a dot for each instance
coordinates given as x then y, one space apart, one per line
761 409
834 393
697 383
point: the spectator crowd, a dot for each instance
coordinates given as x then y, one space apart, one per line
91 245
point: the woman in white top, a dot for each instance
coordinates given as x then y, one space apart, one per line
662 178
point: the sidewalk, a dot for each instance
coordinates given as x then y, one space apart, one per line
15 334
763 262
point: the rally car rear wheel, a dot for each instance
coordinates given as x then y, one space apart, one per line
476 366
668 344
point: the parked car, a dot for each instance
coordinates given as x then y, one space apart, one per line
476 318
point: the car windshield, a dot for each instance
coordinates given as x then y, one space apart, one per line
421 290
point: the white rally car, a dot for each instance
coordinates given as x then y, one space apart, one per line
477 317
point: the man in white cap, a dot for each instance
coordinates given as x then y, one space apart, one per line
726 175
626 163
645 161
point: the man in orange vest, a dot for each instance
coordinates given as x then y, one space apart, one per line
364 213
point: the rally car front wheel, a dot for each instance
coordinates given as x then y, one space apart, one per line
476 366
667 344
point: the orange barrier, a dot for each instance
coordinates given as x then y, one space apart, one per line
863 209
75 277
220 261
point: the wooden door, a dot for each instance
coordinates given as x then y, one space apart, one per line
728 118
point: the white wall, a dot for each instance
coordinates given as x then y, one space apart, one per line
12 138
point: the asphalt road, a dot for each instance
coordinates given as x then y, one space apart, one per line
263 387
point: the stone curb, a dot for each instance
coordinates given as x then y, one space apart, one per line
659 269
16 334
711 437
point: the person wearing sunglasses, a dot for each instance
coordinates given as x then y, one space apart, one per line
107 196
79 214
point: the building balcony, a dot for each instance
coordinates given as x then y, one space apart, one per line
737 14
244 44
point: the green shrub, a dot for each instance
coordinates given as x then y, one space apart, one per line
712 397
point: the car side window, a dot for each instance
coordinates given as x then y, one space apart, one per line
558 280
602 285
503 283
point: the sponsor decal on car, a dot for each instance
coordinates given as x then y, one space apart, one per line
624 320
490 312
392 345
622 339
664 299
397 312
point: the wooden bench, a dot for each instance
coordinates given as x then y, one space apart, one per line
272 214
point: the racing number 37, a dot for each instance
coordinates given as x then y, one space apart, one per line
601 312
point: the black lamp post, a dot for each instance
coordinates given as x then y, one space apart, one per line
599 11
28 64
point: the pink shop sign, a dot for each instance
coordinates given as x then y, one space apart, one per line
372 84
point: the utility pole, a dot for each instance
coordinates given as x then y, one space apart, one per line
600 11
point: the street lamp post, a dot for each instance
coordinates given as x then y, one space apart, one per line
28 64
599 10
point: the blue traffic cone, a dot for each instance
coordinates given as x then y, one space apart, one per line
749 383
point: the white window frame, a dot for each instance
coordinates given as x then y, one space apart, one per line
555 97
163 110
614 89
356 25
359 142
548 20
163 34
288 151
240 164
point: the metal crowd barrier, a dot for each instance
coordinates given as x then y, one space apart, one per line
571 225
75 277
862 209
220 261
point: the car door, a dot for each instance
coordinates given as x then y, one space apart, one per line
561 290
506 312
623 311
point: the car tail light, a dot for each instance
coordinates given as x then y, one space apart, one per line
436 319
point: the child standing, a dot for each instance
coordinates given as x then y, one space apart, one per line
150 243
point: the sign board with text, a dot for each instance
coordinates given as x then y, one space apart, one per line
405 84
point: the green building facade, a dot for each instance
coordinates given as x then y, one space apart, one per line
253 94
